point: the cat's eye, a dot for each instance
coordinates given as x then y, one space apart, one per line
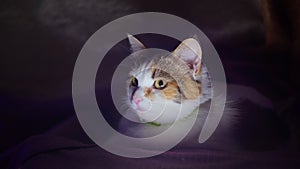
160 84
134 82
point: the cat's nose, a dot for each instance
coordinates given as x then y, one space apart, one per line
137 100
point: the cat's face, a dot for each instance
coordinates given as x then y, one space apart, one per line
159 89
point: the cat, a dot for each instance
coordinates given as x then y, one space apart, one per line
174 80
158 89
161 88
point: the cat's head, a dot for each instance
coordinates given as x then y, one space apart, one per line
159 89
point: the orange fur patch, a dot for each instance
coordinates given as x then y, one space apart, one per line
171 90
148 93
198 72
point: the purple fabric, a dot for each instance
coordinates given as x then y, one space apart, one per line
59 152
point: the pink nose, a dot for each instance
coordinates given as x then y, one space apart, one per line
137 100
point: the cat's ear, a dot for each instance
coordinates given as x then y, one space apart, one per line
190 52
135 44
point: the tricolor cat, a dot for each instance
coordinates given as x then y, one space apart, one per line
178 82
168 90
160 88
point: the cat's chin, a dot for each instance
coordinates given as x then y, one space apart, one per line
143 108
169 114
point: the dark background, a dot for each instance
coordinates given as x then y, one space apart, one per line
258 42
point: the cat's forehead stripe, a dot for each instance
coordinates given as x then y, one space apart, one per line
153 72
